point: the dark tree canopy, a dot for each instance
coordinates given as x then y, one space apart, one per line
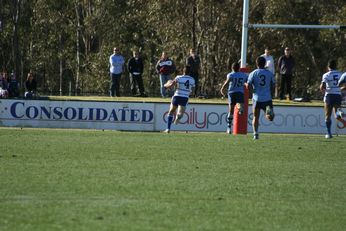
68 42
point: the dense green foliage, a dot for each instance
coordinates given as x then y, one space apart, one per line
93 180
70 41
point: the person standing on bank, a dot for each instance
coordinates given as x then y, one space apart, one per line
269 61
135 67
195 63
165 67
285 65
116 69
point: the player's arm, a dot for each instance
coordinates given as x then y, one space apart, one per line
342 86
170 83
323 87
192 90
342 82
223 86
248 83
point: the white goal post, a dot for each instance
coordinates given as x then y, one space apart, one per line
246 26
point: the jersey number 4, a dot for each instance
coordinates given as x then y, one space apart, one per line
187 84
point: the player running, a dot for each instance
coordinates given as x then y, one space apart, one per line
261 81
330 85
184 86
235 81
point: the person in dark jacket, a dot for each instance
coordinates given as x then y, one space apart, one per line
13 86
285 66
165 67
135 67
195 63
30 86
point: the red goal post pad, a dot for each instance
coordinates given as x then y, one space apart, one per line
240 121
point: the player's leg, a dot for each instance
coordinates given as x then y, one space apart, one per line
170 116
255 121
231 105
240 102
180 114
230 118
182 102
339 114
328 111
269 110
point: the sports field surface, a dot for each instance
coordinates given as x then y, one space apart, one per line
53 179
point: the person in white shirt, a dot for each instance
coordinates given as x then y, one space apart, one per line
269 61
116 68
184 84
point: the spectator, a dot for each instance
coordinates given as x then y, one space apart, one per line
235 81
13 86
195 63
261 81
30 87
184 86
332 95
135 68
285 65
116 61
3 85
165 67
269 61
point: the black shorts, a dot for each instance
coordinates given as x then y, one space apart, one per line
235 97
332 100
179 101
262 105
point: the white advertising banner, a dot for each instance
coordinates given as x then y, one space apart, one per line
137 116
288 119
77 114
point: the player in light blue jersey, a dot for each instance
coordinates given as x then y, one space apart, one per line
184 85
330 85
261 81
235 81
342 81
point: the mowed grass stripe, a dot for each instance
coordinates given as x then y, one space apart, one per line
55 179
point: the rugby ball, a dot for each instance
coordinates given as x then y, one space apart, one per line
168 84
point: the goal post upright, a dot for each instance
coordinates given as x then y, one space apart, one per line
244 37
242 119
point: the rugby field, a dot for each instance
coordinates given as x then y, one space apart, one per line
54 179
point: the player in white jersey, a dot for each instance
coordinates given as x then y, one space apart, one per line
332 95
184 85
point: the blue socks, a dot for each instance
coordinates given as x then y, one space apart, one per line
329 125
169 121
229 120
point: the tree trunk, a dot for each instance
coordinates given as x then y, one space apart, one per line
77 8
15 39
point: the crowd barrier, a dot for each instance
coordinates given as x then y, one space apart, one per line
148 116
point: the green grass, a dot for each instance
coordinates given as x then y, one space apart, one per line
93 180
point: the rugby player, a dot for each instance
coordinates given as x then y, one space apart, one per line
184 85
